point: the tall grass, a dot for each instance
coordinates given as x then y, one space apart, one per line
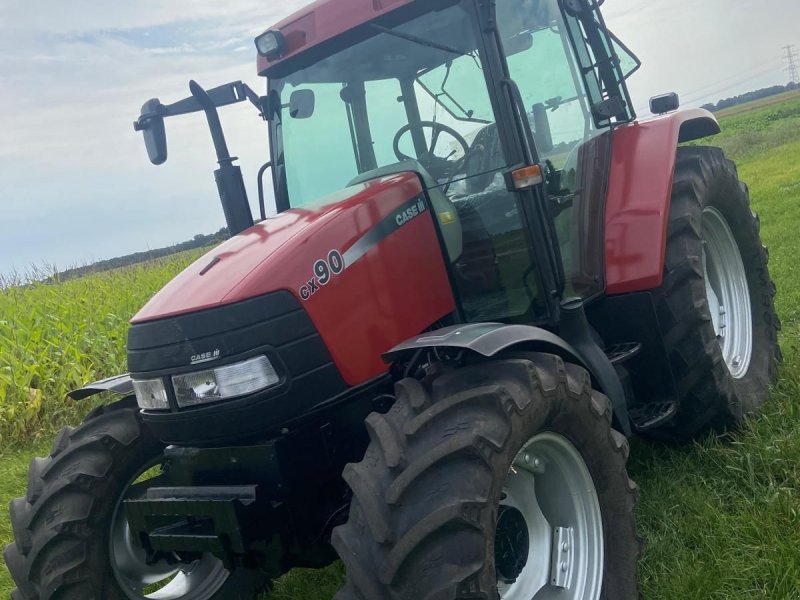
58 336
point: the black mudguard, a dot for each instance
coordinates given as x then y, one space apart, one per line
489 339
119 384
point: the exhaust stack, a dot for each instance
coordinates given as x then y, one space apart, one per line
230 184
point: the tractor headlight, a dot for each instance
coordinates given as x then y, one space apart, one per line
221 383
151 394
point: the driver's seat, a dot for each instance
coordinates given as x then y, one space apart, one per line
446 212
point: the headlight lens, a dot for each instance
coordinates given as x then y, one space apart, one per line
151 394
224 382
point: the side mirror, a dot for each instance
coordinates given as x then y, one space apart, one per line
151 124
665 103
518 43
301 104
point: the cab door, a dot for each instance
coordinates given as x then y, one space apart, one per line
570 108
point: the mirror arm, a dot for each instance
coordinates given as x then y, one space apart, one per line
260 102
224 95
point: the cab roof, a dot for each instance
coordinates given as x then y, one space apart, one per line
322 21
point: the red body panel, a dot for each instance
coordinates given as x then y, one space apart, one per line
394 291
638 200
324 20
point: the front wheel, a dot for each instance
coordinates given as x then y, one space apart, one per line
500 480
72 540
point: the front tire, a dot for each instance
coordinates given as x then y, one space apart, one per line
716 304
70 530
439 494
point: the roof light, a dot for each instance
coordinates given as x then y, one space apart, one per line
271 44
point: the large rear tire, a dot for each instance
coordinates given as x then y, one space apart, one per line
715 305
70 530
481 482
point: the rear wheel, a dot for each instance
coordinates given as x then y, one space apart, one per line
72 540
716 302
496 480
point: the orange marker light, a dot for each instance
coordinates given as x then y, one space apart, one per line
527 177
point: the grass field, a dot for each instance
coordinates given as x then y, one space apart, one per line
757 104
721 519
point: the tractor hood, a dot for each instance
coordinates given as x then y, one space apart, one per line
278 253
366 267
211 279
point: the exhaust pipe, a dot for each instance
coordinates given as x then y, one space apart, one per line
230 183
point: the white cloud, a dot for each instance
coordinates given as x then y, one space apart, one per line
74 179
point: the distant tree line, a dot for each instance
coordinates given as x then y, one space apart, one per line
198 241
750 96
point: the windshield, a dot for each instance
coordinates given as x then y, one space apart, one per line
374 105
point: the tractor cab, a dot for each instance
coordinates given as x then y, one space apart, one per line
482 104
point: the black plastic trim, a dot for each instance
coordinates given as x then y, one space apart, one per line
118 384
698 128
274 325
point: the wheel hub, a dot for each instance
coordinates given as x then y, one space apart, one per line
727 292
549 537
511 544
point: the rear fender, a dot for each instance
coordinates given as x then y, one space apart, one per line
643 160
490 339
119 384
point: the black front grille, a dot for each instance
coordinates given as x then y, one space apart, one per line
275 324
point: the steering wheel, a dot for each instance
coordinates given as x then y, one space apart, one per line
429 160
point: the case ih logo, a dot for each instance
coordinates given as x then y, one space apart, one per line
205 357
410 213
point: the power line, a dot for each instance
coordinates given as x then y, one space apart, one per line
727 83
791 66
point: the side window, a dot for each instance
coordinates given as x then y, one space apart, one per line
540 61
601 65
318 139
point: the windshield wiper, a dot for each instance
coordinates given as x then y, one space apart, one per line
418 40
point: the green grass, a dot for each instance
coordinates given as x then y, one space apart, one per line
721 518
55 337
761 103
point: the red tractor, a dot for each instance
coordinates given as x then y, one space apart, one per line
483 275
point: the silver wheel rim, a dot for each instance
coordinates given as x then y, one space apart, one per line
550 485
198 580
727 292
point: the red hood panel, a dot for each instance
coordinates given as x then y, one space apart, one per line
368 269
207 282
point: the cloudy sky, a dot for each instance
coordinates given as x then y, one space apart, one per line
75 183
